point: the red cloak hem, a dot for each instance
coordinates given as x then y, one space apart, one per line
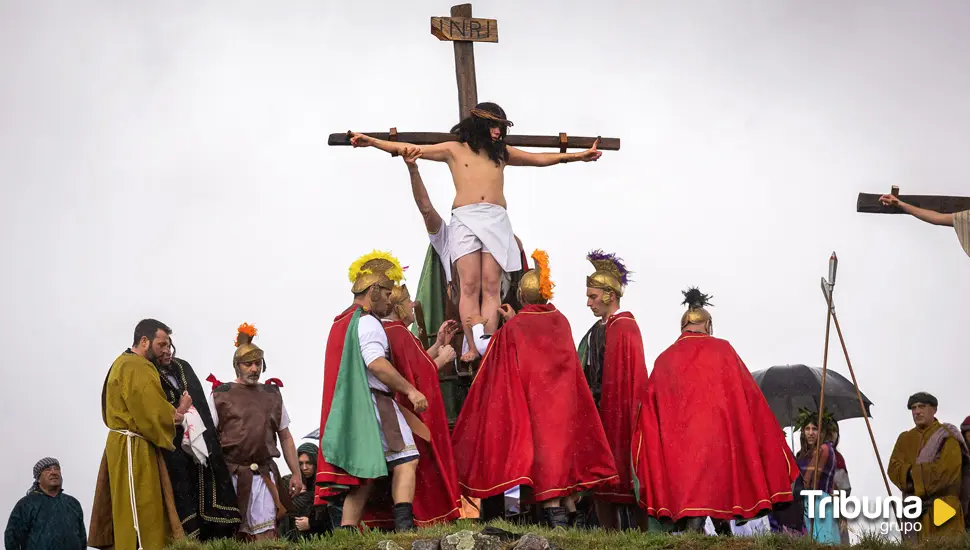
624 376
529 418
707 444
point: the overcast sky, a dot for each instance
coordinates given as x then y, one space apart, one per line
169 160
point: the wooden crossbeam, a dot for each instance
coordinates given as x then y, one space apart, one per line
430 138
868 203
463 31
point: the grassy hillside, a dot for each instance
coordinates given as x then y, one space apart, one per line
567 540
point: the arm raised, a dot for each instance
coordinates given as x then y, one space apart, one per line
432 220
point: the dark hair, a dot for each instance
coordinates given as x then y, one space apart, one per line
147 328
476 132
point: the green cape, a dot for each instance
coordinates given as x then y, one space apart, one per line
352 438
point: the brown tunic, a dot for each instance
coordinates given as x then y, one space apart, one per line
249 419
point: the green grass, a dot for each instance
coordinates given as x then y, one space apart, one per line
570 539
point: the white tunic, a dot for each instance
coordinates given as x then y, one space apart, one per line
373 346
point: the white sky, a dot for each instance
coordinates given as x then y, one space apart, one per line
171 162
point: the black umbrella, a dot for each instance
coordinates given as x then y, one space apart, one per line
791 387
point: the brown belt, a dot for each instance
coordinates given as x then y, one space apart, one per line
418 427
389 422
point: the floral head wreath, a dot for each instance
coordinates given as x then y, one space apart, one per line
806 417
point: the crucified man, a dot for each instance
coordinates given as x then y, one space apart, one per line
480 239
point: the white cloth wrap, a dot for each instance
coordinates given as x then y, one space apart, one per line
440 242
192 441
373 346
481 344
484 227
262 507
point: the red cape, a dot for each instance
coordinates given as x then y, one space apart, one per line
624 376
437 497
529 418
707 444
328 474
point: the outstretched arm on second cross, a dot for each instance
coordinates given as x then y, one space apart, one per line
518 157
928 216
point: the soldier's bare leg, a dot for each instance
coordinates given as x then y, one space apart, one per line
403 481
354 505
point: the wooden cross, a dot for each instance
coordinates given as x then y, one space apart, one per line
464 30
869 203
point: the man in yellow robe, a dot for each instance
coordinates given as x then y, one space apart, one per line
960 221
141 421
930 462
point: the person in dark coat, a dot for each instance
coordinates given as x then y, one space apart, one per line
47 518
205 499
306 519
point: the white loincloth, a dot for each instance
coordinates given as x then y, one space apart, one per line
961 223
262 507
373 345
484 227
440 241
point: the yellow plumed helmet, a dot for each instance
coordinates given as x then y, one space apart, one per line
377 268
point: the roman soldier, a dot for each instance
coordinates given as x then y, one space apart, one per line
365 434
550 438
439 499
611 354
706 443
250 417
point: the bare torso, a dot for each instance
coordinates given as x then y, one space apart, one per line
477 178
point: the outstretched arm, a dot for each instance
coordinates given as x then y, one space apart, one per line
439 152
518 157
928 216
432 220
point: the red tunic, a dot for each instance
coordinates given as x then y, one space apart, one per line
529 418
624 371
706 443
437 497
328 474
